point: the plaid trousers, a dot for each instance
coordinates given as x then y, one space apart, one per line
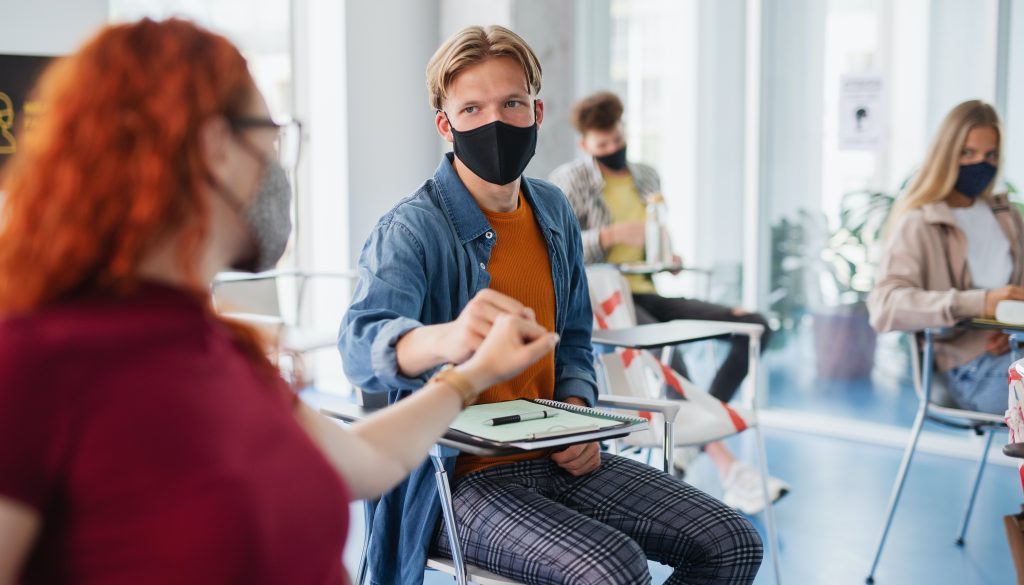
534 522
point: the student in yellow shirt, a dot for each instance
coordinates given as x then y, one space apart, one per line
608 194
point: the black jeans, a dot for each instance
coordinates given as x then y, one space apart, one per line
651 308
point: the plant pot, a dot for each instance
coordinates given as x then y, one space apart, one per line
844 342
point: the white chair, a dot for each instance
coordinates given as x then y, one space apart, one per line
255 299
936 405
700 419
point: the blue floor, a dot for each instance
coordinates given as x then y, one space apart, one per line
829 524
887 399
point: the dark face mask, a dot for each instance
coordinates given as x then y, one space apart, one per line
973 179
615 161
497 152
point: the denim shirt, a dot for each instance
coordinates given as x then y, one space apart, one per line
423 262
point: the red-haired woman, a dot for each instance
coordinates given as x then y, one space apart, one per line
142 438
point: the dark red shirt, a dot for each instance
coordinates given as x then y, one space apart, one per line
155 452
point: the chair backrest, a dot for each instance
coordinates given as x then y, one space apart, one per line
256 296
610 298
940 401
637 373
939 394
702 418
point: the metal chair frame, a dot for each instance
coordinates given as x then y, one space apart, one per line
982 423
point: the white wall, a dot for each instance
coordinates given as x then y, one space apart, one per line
392 143
548 27
49 27
1013 117
791 107
720 132
458 14
908 89
962 55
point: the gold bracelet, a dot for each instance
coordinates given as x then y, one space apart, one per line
458 382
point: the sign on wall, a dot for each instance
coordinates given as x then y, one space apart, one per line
862 116
18 74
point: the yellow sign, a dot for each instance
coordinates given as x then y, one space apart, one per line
7 142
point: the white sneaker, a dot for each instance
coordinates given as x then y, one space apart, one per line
682 457
743 489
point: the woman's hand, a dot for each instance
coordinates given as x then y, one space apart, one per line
512 344
1008 292
467 332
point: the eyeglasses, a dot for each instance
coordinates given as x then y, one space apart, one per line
287 143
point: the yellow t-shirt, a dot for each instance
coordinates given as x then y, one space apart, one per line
625 204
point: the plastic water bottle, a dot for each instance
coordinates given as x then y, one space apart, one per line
657 247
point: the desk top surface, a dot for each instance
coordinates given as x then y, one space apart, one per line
982 323
657 335
351 413
647 268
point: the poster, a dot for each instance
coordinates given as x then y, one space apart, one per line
862 115
18 73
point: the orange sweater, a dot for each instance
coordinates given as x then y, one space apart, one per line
521 269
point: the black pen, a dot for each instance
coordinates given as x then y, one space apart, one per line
514 418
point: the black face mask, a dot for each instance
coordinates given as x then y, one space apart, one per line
973 179
496 152
615 161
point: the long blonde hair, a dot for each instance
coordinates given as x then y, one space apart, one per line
937 176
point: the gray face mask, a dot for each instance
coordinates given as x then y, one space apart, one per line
269 219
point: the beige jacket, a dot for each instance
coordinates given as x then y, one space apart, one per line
923 280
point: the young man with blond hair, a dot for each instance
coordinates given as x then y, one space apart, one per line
474 241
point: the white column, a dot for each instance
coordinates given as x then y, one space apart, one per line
908 89
789 124
548 27
718 203
754 270
359 76
392 143
1013 117
962 55
593 34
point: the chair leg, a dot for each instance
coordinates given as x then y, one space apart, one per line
754 357
613 447
668 444
769 509
364 568
897 487
974 490
444 492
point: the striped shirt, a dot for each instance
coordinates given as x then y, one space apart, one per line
583 185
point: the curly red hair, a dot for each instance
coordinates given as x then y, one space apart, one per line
114 164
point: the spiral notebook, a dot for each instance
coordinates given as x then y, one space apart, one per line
564 420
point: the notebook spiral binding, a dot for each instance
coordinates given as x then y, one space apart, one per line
624 418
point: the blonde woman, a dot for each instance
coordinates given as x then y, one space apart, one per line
954 251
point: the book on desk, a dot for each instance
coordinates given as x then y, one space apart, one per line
567 425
